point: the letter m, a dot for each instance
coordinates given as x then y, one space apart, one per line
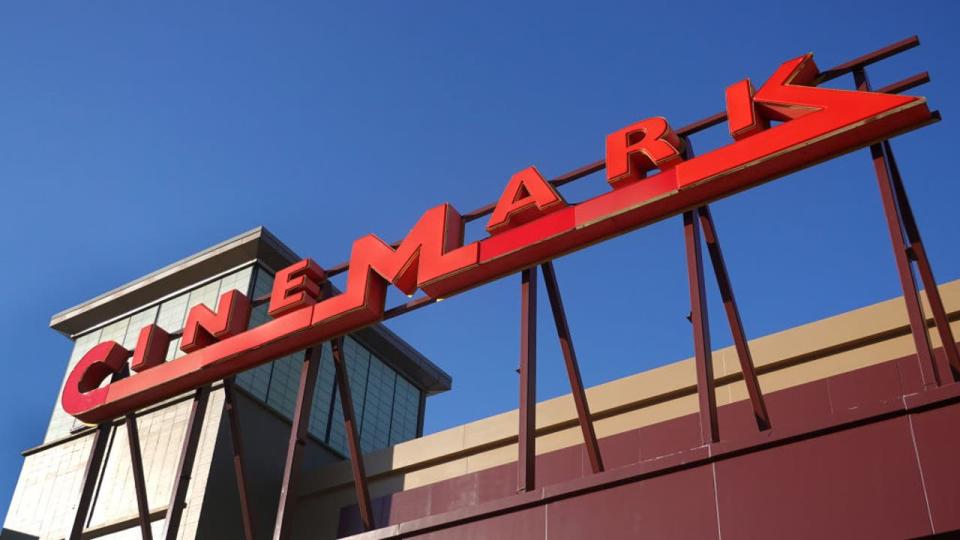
431 251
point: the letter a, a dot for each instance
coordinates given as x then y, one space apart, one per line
527 196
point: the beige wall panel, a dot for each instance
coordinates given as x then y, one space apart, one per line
435 473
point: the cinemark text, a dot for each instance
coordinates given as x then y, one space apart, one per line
651 177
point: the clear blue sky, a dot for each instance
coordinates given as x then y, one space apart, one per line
132 136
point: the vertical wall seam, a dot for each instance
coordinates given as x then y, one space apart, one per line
546 521
716 498
923 483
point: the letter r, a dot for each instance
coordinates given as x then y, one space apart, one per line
641 147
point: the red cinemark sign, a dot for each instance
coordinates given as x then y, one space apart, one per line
530 224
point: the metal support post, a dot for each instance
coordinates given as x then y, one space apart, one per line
526 463
297 442
139 483
709 431
90 473
573 367
918 325
239 468
181 481
353 435
919 255
733 318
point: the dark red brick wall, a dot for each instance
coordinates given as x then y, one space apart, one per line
847 457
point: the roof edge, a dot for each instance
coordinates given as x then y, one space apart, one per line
257 243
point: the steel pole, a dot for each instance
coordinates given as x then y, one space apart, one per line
733 318
709 431
353 436
919 255
139 483
573 367
239 466
191 440
90 474
297 442
908 283
527 438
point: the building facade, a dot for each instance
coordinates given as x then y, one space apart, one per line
389 380
860 446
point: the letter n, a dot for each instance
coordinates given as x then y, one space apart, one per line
204 327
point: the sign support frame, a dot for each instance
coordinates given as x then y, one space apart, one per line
191 440
297 440
353 435
527 434
573 367
239 465
139 482
908 248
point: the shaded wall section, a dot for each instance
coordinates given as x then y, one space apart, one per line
265 435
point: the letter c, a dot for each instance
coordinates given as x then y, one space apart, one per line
82 390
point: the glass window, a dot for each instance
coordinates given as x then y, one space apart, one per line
357 359
323 395
264 283
257 380
406 412
378 407
284 383
372 385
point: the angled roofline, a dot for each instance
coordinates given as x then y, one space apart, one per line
255 245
